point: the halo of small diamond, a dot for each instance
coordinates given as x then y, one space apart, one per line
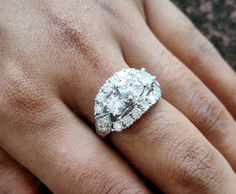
124 98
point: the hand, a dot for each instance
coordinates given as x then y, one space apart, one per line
55 55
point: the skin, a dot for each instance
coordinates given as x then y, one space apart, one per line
55 55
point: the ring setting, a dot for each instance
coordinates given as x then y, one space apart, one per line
124 98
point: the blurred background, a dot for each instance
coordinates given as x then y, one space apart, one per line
217 20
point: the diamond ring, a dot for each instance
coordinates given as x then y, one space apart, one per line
123 99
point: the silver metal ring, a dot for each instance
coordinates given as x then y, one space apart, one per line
123 99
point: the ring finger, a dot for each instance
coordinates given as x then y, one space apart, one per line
182 89
163 144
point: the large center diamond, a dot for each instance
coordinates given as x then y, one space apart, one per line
131 87
115 104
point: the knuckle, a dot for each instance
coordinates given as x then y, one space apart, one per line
122 187
196 165
22 99
103 181
75 39
159 128
114 9
162 133
110 7
68 35
202 49
116 16
12 173
20 96
206 112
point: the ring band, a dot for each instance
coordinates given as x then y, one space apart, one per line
123 99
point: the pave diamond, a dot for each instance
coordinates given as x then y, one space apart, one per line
144 105
157 91
124 98
128 120
101 97
108 88
98 109
136 113
151 99
104 123
118 126
146 78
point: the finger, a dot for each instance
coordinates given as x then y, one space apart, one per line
179 35
16 179
45 137
165 123
183 89
168 149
